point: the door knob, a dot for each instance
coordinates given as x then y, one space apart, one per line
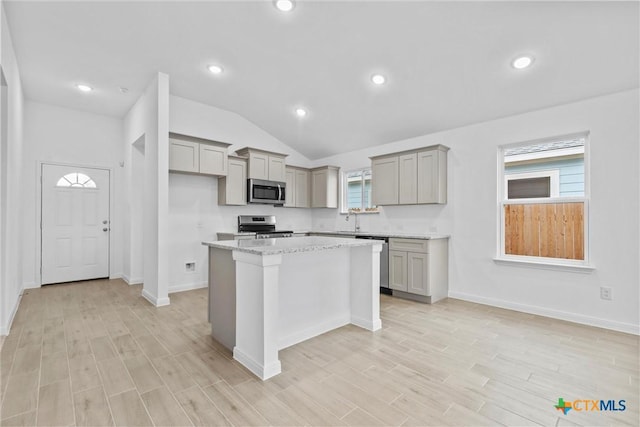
105 229
105 221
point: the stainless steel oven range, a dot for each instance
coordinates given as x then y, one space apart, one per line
263 225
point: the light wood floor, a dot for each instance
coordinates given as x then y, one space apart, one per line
96 353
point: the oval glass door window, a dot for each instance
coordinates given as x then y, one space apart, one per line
77 180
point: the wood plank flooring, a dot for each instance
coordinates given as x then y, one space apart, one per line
96 354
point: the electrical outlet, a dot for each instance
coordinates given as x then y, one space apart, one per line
605 293
190 266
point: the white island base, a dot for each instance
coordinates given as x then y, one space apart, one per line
287 291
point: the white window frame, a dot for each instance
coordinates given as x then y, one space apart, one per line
542 262
552 174
344 192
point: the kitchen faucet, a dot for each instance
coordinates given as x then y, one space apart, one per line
355 215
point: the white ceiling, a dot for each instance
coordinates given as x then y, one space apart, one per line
447 63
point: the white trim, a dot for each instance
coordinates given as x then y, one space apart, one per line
502 201
31 285
543 263
187 287
343 190
4 330
157 302
132 280
539 155
629 328
38 216
262 372
552 174
368 324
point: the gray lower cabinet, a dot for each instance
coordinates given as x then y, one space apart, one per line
418 268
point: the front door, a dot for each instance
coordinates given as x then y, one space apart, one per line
75 223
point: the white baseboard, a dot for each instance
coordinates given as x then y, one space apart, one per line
5 329
132 280
158 302
187 287
366 323
30 285
628 328
263 372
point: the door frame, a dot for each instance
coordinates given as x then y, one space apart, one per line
37 225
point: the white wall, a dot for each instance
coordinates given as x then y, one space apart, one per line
148 121
60 135
471 214
194 214
11 184
204 121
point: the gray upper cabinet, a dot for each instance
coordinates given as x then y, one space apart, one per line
432 175
276 168
408 179
324 187
303 188
298 187
190 154
384 181
290 194
411 177
232 189
264 164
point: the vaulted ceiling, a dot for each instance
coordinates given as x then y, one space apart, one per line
447 64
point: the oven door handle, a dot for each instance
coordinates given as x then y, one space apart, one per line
279 193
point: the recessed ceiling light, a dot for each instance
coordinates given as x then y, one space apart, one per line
215 69
522 62
284 5
301 112
84 88
378 79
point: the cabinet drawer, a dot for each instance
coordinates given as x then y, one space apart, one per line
409 245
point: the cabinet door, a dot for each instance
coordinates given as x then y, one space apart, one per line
319 188
290 191
432 177
213 160
417 272
276 169
184 156
384 181
258 166
301 189
233 188
408 179
398 270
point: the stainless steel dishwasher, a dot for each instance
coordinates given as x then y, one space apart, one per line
384 263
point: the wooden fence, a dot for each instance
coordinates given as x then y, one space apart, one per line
554 230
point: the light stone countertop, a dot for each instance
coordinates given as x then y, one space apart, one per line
288 245
426 236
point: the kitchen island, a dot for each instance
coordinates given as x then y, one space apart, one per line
269 294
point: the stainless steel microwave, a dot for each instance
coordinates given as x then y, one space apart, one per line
266 192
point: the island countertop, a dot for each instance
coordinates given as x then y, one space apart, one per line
288 244
381 234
